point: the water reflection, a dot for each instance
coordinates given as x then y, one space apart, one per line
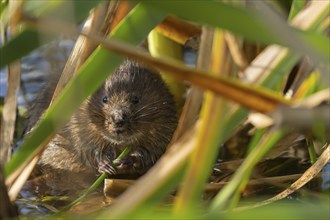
326 177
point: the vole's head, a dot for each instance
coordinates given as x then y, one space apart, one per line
132 106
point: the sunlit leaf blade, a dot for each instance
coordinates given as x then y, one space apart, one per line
296 6
3 5
8 51
210 134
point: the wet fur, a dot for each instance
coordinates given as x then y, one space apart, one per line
91 137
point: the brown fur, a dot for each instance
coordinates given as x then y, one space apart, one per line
139 112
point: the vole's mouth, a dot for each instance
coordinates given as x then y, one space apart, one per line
121 136
119 131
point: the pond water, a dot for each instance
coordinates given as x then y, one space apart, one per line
326 177
36 68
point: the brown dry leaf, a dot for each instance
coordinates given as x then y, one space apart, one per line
21 179
235 51
8 117
178 30
25 168
120 12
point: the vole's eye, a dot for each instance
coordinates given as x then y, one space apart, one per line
135 99
105 99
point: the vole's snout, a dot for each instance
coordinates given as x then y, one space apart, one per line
118 117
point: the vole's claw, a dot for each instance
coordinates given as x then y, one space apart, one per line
124 162
131 163
106 167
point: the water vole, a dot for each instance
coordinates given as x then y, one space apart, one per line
132 108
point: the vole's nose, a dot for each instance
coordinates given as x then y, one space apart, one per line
119 117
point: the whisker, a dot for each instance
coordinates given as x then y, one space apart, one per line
148 105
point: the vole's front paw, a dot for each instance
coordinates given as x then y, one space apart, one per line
104 164
132 163
106 167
